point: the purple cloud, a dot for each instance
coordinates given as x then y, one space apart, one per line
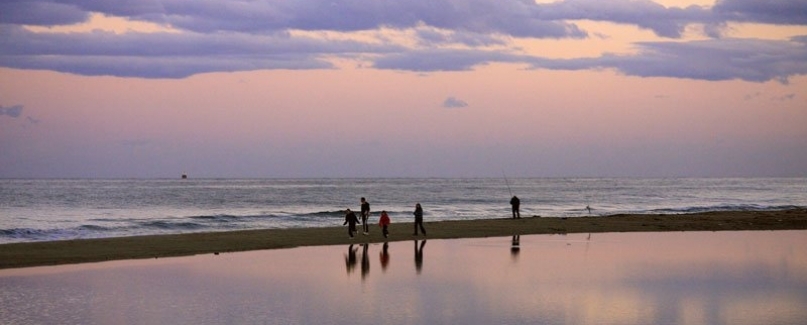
780 12
721 59
12 111
236 35
452 102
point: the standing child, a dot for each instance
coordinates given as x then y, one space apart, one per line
384 222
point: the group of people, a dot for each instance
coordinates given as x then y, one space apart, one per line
351 220
384 221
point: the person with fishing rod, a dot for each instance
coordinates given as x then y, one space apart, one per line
514 202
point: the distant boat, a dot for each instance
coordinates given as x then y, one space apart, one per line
184 176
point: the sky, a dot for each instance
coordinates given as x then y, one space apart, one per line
416 88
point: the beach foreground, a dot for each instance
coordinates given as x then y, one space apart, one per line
104 249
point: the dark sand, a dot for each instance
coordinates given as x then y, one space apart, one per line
95 250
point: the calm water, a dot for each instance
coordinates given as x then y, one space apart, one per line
37 210
633 278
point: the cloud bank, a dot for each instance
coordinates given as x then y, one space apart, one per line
235 35
452 102
13 111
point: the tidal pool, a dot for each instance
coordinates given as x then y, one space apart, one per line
752 277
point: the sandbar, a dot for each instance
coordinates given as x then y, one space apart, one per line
17 255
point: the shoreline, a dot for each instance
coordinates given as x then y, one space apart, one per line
18 255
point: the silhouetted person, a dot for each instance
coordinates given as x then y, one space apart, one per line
350 259
589 209
350 220
365 261
419 255
384 256
516 203
365 214
419 220
384 222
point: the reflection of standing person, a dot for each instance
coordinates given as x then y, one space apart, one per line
350 258
384 256
384 222
350 221
516 203
365 261
419 220
419 255
516 247
365 213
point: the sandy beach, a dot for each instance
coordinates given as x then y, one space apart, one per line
94 250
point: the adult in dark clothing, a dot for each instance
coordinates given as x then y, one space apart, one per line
516 203
350 220
419 220
365 214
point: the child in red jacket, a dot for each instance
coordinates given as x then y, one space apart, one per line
384 222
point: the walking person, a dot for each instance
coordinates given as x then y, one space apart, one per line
516 203
419 220
350 221
384 223
365 214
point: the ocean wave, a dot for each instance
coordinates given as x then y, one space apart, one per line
323 214
94 228
83 231
222 218
166 225
725 207
22 232
227 218
340 214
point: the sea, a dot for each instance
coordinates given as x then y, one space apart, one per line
64 209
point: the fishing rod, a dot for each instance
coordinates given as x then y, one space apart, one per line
508 183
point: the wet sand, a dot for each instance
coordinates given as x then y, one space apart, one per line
105 249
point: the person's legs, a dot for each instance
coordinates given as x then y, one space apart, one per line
365 227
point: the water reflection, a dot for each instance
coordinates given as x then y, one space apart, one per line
515 247
350 259
642 278
384 257
365 261
419 255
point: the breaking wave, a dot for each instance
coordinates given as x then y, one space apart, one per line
726 207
